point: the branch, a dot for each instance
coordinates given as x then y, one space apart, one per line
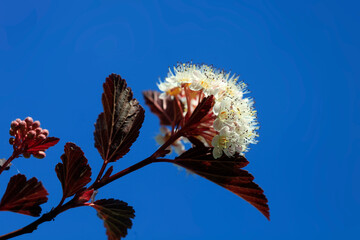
46 217
96 185
152 159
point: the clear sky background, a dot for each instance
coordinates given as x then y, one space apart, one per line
299 58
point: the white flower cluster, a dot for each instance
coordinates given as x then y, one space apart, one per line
235 119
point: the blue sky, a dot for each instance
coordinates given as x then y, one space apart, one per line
300 60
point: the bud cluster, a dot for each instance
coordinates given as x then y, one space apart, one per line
26 133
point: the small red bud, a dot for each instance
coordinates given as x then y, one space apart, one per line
22 125
11 141
36 124
38 130
18 120
41 136
45 132
31 134
29 121
40 155
14 125
12 132
26 155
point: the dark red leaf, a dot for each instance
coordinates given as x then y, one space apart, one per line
42 145
227 173
194 141
116 215
201 111
118 126
85 196
200 123
74 172
168 110
24 196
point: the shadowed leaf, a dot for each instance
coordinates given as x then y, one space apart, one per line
227 173
201 111
74 172
168 110
41 145
199 123
24 196
118 126
195 142
116 215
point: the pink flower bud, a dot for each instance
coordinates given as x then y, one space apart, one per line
45 132
22 125
35 124
41 136
14 125
26 155
31 134
12 132
18 120
40 155
29 121
11 141
38 130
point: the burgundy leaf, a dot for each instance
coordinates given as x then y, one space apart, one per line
195 142
168 110
74 172
116 215
42 145
199 125
24 196
118 126
227 173
201 110
85 196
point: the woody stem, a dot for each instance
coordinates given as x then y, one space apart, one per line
153 158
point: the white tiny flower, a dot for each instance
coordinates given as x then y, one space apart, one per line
224 142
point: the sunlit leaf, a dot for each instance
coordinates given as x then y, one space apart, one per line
74 172
41 145
168 110
227 173
85 196
198 123
24 196
118 126
116 215
201 111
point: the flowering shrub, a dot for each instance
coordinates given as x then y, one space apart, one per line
198 104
